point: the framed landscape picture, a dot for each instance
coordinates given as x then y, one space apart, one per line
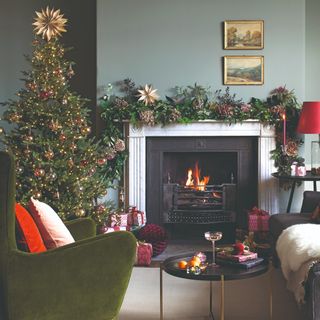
243 34
244 70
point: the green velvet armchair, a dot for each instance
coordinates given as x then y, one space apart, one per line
85 280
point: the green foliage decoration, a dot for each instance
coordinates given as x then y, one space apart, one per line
195 103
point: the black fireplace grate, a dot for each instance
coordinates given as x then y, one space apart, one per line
199 204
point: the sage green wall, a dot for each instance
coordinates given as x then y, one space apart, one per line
179 42
312 63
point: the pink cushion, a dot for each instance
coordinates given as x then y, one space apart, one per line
53 231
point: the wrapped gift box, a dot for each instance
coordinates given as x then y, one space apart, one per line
114 220
116 228
258 220
139 218
126 219
144 254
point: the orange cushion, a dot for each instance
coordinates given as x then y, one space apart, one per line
28 230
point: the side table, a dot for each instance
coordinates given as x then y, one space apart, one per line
294 180
221 273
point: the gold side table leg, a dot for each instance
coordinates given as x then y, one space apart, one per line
161 292
222 298
270 291
210 302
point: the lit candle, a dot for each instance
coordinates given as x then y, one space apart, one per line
284 129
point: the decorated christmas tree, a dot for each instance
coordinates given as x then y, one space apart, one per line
56 161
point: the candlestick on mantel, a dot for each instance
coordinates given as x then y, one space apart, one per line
284 130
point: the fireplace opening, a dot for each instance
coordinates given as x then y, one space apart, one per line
201 184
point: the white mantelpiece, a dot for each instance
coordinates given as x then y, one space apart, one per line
267 185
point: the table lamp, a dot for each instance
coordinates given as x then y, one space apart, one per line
309 122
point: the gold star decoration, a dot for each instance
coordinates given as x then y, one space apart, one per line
49 23
148 95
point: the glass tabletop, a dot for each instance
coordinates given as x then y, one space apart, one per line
170 266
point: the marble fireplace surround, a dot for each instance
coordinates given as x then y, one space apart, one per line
267 186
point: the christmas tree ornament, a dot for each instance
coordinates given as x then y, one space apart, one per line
44 95
49 23
39 172
85 130
52 176
79 120
54 125
120 145
101 161
56 195
49 154
80 212
62 137
37 194
19 170
70 163
92 171
70 72
28 138
84 163
148 95
100 209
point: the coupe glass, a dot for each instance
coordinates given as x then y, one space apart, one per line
213 236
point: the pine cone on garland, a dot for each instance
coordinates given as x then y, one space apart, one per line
175 115
292 148
120 103
197 104
119 145
147 117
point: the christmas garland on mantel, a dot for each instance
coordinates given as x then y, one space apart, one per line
142 106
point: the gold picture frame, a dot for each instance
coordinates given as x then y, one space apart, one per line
243 70
243 34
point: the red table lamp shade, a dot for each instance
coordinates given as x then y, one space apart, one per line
309 121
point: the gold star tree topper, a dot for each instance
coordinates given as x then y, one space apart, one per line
148 95
49 23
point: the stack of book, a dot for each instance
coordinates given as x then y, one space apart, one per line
243 261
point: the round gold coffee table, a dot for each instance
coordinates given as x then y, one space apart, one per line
221 273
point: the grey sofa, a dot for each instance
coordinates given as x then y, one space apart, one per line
279 222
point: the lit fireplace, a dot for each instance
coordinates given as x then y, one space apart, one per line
196 203
194 181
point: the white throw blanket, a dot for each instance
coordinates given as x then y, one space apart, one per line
298 248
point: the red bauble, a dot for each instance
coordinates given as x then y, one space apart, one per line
44 95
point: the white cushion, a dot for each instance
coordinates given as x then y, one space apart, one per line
53 231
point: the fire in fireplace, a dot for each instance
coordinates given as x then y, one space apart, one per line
195 202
